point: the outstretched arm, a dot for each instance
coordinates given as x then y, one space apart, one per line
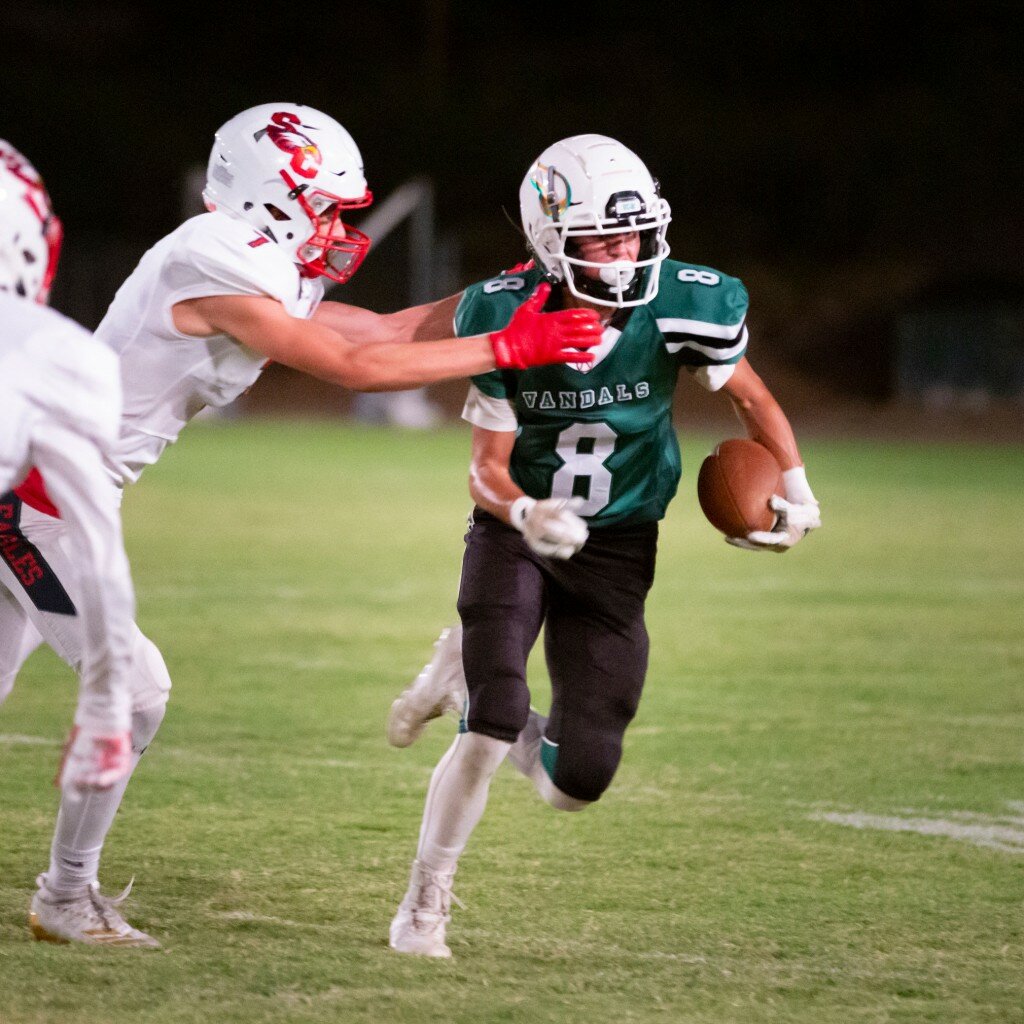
766 423
430 322
532 338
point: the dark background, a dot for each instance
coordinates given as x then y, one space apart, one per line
854 163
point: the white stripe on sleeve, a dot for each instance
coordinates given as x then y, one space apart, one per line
490 413
710 351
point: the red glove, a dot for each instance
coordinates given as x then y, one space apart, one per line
533 338
92 761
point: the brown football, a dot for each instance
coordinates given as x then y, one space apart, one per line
735 483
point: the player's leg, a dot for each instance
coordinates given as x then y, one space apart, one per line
527 755
68 905
37 570
68 900
456 799
596 647
593 702
501 606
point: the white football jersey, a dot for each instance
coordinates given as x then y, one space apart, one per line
166 376
52 371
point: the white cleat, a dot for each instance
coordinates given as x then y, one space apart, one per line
91 918
423 915
438 689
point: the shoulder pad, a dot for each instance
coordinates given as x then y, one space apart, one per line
703 295
488 305
219 255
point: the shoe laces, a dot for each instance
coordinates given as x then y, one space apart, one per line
426 905
106 906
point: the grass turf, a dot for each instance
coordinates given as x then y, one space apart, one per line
295 575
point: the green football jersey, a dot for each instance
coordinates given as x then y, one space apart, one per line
604 432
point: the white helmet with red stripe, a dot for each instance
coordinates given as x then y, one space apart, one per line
30 232
285 168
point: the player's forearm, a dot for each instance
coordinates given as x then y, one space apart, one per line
432 321
105 602
322 352
491 486
766 423
761 415
395 367
107 609
359 326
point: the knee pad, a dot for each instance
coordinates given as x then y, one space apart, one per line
585 760
588 780
150 680
145 724
557 799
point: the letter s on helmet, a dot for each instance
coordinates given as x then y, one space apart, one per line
30 232
593 185
281 167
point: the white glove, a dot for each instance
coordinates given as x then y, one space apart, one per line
92 761
551 526
798 514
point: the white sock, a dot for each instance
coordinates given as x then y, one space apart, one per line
457 797
526 757
83 823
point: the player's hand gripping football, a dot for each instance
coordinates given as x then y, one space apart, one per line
550 527
797 514
94 761
795 521
534 338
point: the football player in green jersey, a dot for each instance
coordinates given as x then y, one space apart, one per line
572 467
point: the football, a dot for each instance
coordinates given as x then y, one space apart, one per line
735 483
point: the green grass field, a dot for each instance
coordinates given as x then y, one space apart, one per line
819 817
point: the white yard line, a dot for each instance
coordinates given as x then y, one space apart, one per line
994 833
18 740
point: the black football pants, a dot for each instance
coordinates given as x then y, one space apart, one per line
595 641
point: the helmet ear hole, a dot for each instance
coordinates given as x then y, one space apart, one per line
276 212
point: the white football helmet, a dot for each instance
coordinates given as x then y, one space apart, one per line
593 185
281 167
30 232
